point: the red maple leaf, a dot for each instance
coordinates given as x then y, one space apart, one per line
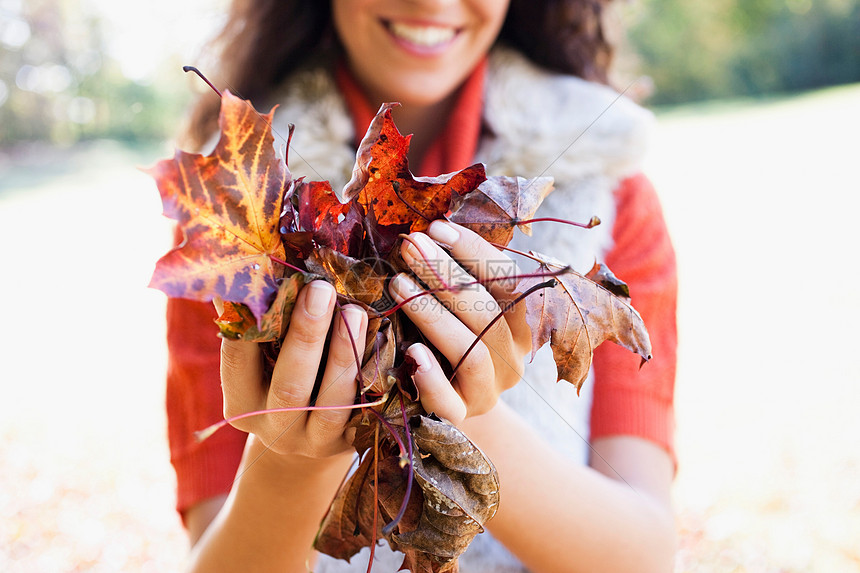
228 204
388 191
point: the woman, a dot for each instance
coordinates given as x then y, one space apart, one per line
482 80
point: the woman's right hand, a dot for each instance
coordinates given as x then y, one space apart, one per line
315 434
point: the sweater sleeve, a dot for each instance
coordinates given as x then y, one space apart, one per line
629 400
194 401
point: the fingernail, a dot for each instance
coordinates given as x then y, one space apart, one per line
402 287
318 299
422 241
421 357
351 317
444 233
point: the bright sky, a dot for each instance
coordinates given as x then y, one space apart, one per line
140 35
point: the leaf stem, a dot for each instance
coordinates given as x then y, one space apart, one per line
593 222
399 305
389 527
396 186
393 432
291 127
187 69
546 284
375 497
429 265
352 344
526 255
205 433
275 259
375 357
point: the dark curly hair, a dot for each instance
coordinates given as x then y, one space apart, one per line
264 40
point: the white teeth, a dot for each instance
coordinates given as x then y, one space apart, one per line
427 36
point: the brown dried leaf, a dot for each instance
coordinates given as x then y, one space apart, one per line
495 208
601 274
341 534
351 277
457 493
379 359
454 512
575 317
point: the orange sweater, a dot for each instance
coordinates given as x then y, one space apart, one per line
627 400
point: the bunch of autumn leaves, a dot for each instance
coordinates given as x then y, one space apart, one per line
253 236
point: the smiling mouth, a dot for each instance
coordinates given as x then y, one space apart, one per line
422 36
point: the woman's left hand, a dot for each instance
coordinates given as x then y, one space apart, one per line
452 319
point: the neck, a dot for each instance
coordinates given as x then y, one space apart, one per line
425 123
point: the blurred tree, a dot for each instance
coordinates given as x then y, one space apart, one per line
723 48
58 84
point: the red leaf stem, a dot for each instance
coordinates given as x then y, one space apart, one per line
375 535
399 305
395 185
357 530
430 266
187 69
518 252
275 259
593 222
205 433
389 527
352 343
394 434
546 284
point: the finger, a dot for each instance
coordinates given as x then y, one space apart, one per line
296 369
338 386
475 376
241 380
487 263
479 257
435 392
472 304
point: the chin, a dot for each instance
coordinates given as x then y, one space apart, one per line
420 99
423 92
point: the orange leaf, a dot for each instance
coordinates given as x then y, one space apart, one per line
387 190
227 204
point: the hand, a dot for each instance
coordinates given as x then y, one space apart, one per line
451 320
314 434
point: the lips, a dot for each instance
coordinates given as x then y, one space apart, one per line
422 37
